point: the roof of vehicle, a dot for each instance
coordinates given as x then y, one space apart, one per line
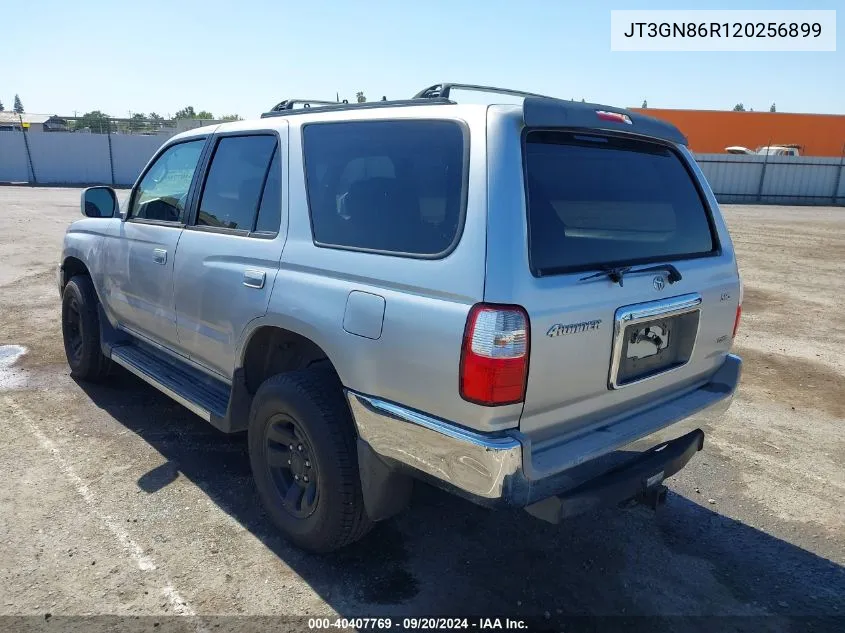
537 111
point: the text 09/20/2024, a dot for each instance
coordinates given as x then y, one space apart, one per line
417 624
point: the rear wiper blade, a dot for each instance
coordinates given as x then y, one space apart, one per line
614 274
617 274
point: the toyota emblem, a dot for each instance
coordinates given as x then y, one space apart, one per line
658 283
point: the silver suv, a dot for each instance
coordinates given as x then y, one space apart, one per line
529 305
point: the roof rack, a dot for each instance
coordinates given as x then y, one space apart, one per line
443 90
333 106
538 111
288 104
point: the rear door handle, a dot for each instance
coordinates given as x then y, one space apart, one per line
159 256
254 278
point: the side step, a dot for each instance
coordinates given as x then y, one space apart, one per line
201 394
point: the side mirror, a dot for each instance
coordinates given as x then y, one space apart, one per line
99 202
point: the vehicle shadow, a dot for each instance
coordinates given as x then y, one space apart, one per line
447 556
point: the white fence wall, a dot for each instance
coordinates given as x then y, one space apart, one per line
65 157
131 153
14 166
77 159
774 179
73 158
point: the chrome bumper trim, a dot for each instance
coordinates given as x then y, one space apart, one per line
475 463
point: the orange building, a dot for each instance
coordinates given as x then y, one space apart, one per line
711 131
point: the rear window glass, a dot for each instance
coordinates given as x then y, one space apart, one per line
387 186
596 201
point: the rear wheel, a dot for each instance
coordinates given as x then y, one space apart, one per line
303 455
81 330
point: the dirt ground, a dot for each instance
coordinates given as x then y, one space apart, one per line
115 500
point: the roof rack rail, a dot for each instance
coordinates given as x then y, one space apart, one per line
288 104
443 90
333 106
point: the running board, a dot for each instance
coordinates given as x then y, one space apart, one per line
201 394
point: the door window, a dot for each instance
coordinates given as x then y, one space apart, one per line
163 191
236 179
270 211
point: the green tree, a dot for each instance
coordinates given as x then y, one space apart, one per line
739 107
645 104
773 108
156 117
2 107
96 121
186 113
359 96
231 117
18 107
138 122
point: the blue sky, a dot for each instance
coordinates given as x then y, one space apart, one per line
243 56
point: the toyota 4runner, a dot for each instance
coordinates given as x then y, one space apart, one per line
529 305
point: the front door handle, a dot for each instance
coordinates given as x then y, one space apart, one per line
254 278
160 256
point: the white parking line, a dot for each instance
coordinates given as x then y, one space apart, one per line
144 562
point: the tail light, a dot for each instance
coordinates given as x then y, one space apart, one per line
494 357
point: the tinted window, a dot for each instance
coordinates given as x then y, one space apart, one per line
235 181
270 211
163 191
594 201
394 186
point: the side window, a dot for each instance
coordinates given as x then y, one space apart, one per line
163 191
235 181
388 186
270 210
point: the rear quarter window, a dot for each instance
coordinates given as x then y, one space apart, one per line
596 201
392 187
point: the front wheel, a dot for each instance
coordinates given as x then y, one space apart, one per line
81 330
303 456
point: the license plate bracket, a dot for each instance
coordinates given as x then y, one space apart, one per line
649 341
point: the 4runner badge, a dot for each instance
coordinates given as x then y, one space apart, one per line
573 328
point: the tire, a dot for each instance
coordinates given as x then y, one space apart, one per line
306 409
81 330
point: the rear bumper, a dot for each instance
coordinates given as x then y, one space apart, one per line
633 480
499 469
